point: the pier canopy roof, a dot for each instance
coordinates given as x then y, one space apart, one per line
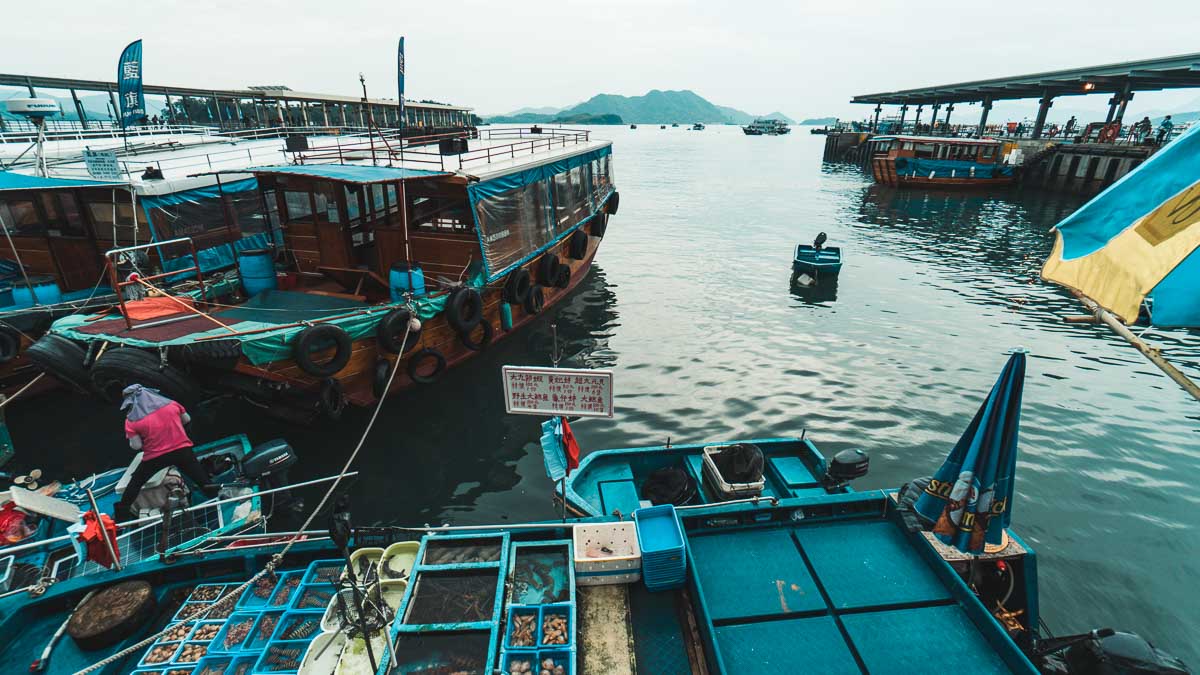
1172 72
349 173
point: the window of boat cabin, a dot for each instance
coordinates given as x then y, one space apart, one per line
571 203
514 224
924 150
60 210
602 178
987 152
21 217
101 211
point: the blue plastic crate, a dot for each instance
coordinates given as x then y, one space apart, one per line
518 610
190 611
144 663
558 657
286 590
565 610
282 657
296 625
312 597
216 663
220 643
242 665
206 627
179 662
251 598
264 628
658 531
203 589
509 656
324 571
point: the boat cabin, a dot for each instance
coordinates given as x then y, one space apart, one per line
934 160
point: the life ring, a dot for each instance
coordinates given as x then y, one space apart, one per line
517 288
547 269
535 301
598 225
579 244
484 340
391 330
563 278
464 309
418 359
614 200
119 367
316 338
63 359
10 344
332 399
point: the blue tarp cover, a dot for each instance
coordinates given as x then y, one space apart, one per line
11 180
351 173
512 181
942 168
184 196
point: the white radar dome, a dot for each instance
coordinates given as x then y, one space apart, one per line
33 107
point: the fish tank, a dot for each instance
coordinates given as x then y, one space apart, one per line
442 653
458 551
541 575
460 596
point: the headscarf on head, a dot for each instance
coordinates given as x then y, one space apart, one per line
140 401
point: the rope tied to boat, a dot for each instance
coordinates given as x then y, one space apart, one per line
276 559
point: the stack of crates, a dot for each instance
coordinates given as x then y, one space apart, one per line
664 562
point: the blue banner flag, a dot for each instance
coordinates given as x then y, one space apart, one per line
400 78
129 85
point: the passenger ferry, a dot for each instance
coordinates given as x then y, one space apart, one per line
771 127
371 257
933 161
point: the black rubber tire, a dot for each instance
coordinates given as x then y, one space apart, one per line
112 615
563 278
379 379
535 301
222 354
119 367
517 288
414 366
63 359
547 267
579 244
464 309
390 332
598 225
309 339
484 340
331 400
10 344
613 202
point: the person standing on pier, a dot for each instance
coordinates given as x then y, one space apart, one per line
154 425
1070 126
1164 130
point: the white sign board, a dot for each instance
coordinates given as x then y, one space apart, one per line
102 164
529 390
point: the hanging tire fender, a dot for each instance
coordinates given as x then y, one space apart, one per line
419 359
598 225
379 377
119 367
314 338
563 278
484 340
517 288
390 331
331 400
535 301
614 201
547 267
464 309
579 244
63 359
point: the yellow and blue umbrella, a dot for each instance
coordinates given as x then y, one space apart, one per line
1139 238
969 499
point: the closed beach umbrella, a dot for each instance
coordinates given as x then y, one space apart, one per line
970 497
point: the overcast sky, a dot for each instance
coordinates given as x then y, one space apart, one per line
804 59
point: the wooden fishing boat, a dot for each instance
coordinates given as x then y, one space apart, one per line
937 162
844 575
825 261
455 247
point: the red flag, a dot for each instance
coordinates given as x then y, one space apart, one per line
570 445
93 538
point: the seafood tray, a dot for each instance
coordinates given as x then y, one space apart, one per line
522 630
282 657
209 592
160 654
556 628
286 589
324 571
214 665
179 631
259 593
191 610
461 550
607 553
298 626
263 629
191 653
314 597
232 636
554 661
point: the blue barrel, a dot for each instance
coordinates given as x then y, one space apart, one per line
506 316
405 278
6 294
44 287
257 270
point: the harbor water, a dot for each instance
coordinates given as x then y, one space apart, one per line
690 303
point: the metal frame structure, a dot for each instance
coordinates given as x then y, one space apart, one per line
1122 80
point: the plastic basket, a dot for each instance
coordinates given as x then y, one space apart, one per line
191 610
253 598
194 658
515 611
221 644
203 592
214 665
313 597
564 610
621 566
324 571
165 662
202 628
285 590
724 489
296 625
264 628
282 657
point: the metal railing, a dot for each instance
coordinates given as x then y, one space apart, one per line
118 285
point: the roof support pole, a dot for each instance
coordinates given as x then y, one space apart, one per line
875 124
949 109
1125 99
116 112
304 112
987 107
29 86
933 118
1044 104
79 109
903 112
917 119
220 115
1112 107
170 114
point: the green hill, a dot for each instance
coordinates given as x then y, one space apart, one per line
654 107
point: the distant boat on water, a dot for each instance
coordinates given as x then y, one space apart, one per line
770 127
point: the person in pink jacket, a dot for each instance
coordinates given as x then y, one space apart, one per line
154 425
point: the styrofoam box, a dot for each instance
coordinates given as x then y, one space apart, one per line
622 566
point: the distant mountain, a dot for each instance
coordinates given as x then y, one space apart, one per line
735 116
563 118
543 110
654 107
780 116
820 121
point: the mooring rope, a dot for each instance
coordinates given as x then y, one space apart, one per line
278 557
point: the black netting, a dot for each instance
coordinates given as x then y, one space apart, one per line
740 463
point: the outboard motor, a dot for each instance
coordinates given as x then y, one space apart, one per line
1106 652
267 464
820 241
846 466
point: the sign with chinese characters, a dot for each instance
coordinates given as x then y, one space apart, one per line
129 85
102 164
530 390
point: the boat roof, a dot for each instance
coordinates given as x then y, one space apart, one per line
11 180
937 139
351 173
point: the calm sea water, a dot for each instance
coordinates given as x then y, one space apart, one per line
690 304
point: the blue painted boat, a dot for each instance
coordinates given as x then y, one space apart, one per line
235 466
817 262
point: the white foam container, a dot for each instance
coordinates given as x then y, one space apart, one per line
622 566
